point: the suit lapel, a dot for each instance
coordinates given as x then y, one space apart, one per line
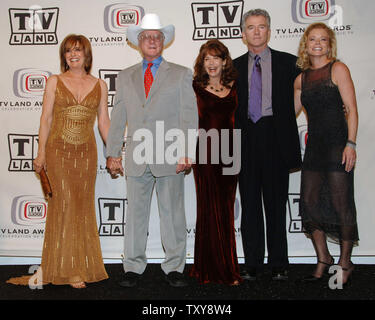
139 88
276 63
160 77
244 81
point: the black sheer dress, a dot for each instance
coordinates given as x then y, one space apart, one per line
327 193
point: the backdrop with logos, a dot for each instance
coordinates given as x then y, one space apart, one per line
30 35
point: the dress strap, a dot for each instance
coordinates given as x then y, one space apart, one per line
303 75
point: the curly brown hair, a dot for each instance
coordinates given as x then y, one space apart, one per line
215 48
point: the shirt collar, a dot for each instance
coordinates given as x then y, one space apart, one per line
264 55
156 61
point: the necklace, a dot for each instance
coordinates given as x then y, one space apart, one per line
217 90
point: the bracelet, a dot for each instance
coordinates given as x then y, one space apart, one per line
351 144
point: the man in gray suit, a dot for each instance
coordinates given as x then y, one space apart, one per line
153 97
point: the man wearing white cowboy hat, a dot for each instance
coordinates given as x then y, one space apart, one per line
149 92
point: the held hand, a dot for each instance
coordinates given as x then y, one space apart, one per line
39 163
345 109
184 164
349 157
114 166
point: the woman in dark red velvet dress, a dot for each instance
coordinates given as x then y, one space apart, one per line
215 257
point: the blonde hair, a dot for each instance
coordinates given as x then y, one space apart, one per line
303 60
70 41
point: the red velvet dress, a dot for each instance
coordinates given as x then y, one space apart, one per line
215 257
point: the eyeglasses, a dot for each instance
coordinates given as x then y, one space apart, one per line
149 37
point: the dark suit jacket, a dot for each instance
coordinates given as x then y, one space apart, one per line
284 72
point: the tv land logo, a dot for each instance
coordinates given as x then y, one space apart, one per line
29 210
220 20
33 26
295 222
29 82
112 216
118 17
308 11
23 149
110 77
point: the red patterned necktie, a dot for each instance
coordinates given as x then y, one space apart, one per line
148 79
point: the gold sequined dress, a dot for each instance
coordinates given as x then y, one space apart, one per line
71 249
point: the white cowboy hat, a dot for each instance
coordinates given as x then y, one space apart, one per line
150 21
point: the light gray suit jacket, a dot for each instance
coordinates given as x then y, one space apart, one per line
171 102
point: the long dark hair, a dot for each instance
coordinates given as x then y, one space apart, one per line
216 48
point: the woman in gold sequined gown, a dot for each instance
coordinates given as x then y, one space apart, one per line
67 150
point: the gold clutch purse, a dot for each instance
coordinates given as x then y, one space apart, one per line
46 186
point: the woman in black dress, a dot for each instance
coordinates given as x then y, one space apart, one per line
215 257
327 203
